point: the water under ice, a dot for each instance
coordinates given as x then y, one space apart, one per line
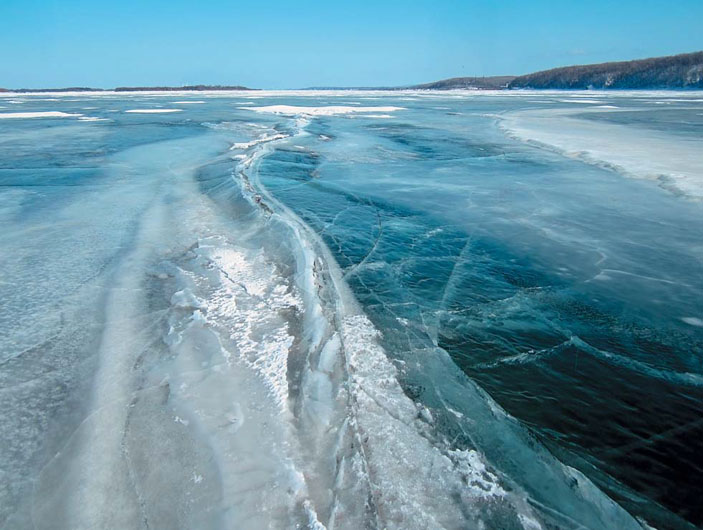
350 310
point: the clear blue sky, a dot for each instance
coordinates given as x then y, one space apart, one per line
291 44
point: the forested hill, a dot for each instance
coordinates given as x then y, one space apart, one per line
676 71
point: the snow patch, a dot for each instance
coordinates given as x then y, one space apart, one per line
27 115
332 110
152 111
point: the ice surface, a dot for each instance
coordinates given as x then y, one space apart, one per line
198 336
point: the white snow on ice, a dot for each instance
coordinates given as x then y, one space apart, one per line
332 110
153 111
675 161
26 115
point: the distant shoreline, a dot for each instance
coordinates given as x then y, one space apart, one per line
4 95
675 72
187 88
